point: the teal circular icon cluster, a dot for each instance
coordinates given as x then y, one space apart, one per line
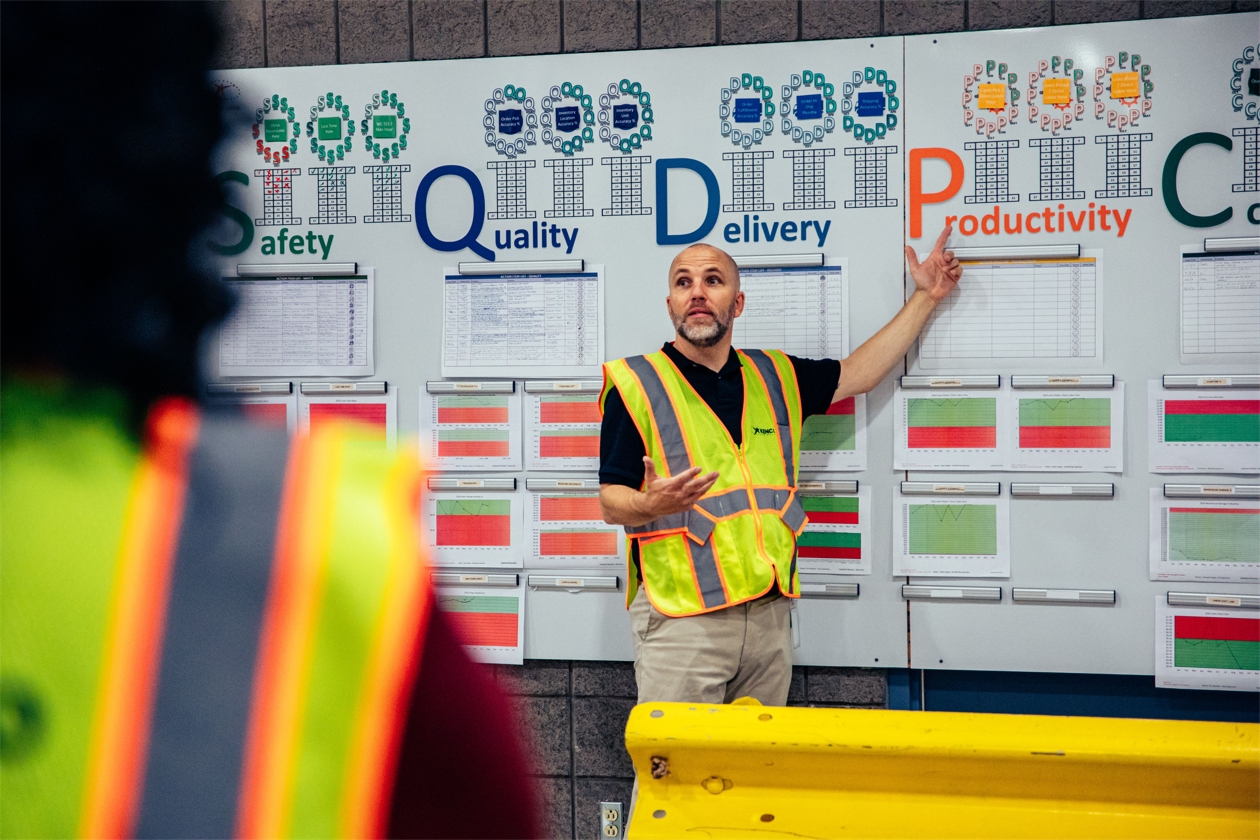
625 125
330 128
275 130
747 110
808 107
511 121
1244 84
385 133
568 118
869 114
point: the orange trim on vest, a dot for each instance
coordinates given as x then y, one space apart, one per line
392 669
284 648
137 616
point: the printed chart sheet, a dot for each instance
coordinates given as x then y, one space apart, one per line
837 540
1203 430
299 326
567 531
952 537
523 325
480 529
801 311
836 440
1220 307
950 429
476 426
562 423
490 621
1067 431
268 409
376 415
1020 313
1210 540
1206 648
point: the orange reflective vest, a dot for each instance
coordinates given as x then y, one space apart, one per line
240 662
740 538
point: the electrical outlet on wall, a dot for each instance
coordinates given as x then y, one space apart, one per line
610 819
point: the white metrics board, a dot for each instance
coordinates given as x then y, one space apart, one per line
990 162
478 159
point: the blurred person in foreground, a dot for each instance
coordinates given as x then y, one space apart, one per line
205 630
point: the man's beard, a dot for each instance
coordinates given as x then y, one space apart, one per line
705 336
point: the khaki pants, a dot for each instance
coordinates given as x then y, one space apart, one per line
741 651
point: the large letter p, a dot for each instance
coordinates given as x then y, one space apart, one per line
918 197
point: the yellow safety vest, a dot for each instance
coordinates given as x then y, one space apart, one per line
732 544
214 634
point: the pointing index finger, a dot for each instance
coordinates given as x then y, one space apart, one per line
941 240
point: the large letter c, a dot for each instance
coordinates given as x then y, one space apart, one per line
1171 200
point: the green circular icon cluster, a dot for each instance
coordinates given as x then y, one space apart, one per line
798 86
762 114
330 123
552 135
275 130
377 126
634 117
507 97
882 111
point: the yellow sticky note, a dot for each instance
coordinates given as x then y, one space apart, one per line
992 97
1125 86
1057 92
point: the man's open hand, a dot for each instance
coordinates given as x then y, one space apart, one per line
938 274
664 496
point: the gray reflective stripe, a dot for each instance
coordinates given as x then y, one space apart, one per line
794 516
699 526
665 419
704 563
770 374
218 595
732 501
696 524
769 498
776 499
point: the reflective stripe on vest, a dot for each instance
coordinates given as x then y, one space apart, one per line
718 578
256 675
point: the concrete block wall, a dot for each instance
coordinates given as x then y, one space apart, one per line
574 717
574 713
283 33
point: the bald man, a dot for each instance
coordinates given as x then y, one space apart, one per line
699 451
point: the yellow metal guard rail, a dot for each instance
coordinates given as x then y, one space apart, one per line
761 771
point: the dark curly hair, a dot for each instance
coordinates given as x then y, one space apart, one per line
108 124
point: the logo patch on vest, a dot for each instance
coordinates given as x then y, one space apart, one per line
757 431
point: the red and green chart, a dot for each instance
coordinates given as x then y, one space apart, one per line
1231 644
834 538
1211 421
1204 430
371 415
567 530
454 409
473 431
485 621
1206 647
951 422
836 440
564 431
1071 423
1208 540
474 529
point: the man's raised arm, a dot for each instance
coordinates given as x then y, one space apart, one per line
659 497
934 278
